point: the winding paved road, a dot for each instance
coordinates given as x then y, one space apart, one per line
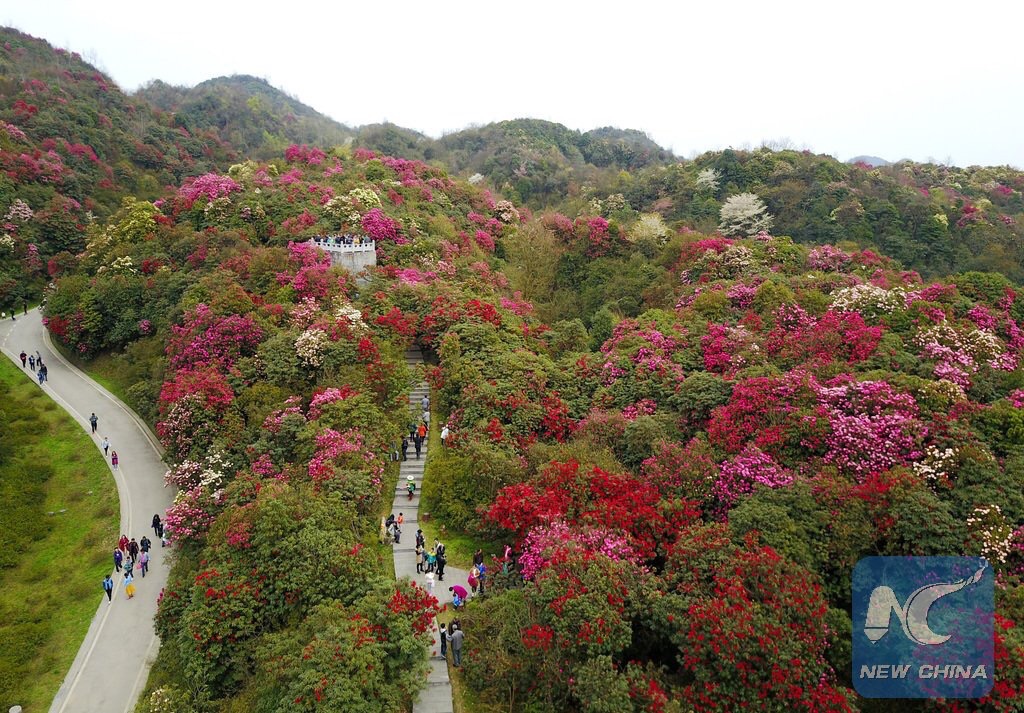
111 667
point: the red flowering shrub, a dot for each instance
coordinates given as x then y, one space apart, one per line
748 626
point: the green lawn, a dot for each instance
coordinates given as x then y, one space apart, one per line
459 546
51 566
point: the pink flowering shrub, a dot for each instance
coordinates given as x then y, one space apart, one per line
208 186
414 276
872 426
638 358
738 476
327 396
190 517
208 339
380 227
828 258
309 271
644 407
484 240
311 156
341 462
742 295
541 542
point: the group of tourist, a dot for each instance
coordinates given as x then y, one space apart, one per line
430 561
34 363
417 435
132 558
343 240
393 528
452 637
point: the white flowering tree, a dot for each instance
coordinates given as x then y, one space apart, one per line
649 228
708 180
744 214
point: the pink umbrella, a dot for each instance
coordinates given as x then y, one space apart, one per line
459 590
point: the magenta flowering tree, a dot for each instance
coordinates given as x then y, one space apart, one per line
308 273
639 362
872 427
543 541
828 258
309 155
343 463
206 338
327 396
193 511
209 186
380 227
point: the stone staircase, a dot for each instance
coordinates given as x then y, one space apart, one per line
437 697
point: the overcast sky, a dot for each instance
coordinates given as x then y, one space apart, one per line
898 79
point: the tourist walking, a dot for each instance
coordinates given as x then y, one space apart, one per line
108 587
444 641
405 448
156 524
93 421
106 446
418 442
118 558
133 549
122 544
24 357
144 562
32 362
129 585
145 543
457 637
113 459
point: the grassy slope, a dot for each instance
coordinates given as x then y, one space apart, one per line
52 566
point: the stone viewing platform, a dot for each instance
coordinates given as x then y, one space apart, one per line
352 252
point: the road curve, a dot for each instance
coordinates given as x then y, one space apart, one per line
111 667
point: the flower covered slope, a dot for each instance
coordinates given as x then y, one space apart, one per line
785 412
689 476
279 392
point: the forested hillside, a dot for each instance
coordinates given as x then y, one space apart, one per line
256 119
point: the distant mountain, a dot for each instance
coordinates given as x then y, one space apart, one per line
873 161
255 118
393 140
535 161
